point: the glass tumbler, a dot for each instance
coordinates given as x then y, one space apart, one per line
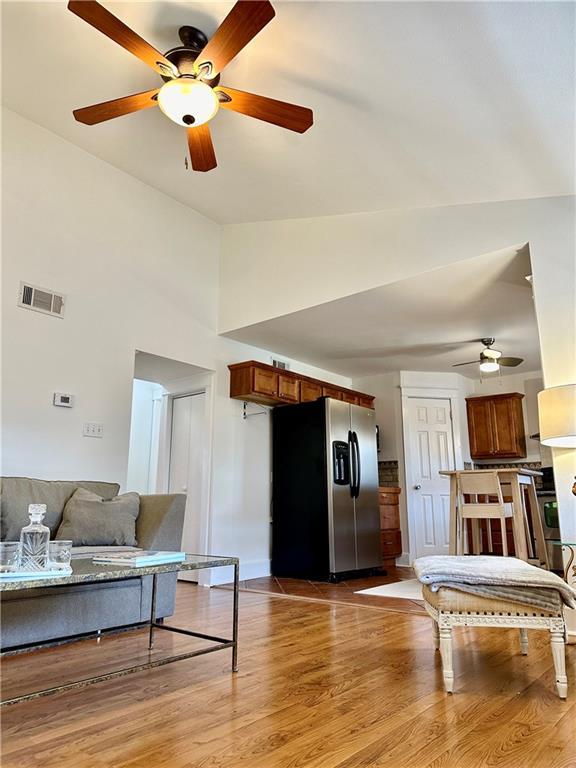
59 554
9 556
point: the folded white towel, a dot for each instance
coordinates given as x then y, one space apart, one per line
505 578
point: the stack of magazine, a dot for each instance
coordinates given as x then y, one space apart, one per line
140 559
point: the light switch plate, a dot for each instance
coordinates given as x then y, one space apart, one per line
93 429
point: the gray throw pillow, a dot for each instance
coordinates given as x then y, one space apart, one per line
89 521
16 493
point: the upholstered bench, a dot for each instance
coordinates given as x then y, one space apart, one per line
452 608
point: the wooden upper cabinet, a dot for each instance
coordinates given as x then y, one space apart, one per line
261 383
264 382
310 390
288 388
508 420
480 428
496 426
366 401
329 391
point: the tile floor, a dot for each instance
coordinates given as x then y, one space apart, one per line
343 592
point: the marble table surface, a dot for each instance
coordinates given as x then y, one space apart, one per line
84 570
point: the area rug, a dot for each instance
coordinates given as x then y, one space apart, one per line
409 589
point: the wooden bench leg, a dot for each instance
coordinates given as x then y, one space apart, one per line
523 641
446 653
559 656
436 635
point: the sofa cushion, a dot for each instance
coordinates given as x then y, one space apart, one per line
18 492
89 521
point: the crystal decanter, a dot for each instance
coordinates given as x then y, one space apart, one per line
34 540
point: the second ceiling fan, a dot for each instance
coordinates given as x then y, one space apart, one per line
490 359
191 94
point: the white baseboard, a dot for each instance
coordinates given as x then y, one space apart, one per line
251 569
403 560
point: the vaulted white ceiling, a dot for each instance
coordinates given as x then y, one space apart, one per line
416 104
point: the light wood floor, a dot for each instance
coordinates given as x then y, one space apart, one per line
321 685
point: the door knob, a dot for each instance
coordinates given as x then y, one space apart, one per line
417 487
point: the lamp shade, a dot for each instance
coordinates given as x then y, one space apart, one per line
557 415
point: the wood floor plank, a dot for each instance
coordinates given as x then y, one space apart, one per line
321 685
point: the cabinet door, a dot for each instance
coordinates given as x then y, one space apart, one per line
480 428
332 392
265 382
288 388
309 390
389 516
508 429
391 543
348 397
366 401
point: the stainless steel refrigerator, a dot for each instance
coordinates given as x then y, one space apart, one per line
325 513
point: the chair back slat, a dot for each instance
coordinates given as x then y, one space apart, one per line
479 483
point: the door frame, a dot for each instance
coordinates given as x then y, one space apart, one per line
456 404
202 384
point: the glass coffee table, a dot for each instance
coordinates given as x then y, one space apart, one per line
85 571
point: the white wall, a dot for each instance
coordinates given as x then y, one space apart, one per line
386 390
140 271
342 255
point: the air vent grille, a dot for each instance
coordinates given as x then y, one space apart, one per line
41 300
27 293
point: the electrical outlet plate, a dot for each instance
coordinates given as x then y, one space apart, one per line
93 429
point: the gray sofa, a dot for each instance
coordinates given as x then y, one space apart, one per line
51 613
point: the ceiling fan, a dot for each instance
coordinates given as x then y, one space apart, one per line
491 359
191 94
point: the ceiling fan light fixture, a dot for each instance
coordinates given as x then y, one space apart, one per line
188 102
489 366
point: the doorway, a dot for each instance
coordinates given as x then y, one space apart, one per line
429 448
170 441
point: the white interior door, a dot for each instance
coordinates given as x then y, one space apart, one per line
186 469
430 448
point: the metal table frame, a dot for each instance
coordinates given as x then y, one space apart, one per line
115 573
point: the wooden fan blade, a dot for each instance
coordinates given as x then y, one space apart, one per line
97 16
457 365
201 148
98 113
243 23
280 113
510 362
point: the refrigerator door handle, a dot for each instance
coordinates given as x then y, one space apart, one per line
352 459
358 465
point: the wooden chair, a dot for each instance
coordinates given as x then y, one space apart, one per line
479 486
